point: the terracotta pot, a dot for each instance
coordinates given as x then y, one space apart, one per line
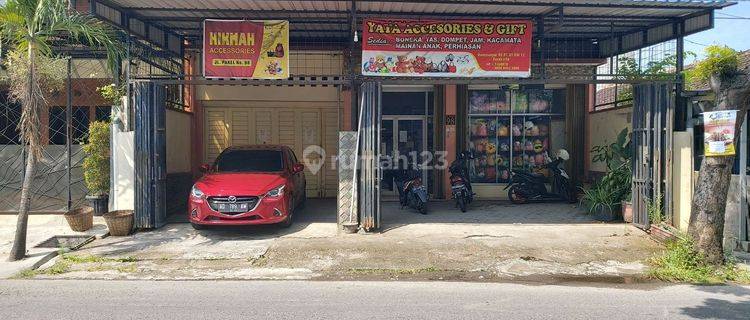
627 211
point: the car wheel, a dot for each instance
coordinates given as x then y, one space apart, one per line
197 226
304 200
288 221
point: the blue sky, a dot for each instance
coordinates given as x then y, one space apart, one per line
733 32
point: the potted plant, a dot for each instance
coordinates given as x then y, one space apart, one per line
618 179
80 219
599 201
96 166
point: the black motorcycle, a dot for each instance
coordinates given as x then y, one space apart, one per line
460 181
411 191
528 187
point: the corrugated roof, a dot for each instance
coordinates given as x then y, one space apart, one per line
581 19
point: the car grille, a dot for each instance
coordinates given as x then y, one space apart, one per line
251 201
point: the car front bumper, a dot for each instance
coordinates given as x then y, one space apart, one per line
268 211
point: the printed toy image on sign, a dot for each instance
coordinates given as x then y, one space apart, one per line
246 49
439 48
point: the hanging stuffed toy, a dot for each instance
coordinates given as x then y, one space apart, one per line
539 159
534 131
503 131
516 130
481 129
491 173
491 148
505 175
538 146
504 147
528 146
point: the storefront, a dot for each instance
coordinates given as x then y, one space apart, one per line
533 101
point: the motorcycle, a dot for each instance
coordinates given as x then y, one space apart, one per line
460 181
528 187
411 191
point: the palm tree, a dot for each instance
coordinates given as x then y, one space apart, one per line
29 29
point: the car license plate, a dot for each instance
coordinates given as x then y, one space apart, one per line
232 207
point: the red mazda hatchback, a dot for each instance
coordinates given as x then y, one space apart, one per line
248 185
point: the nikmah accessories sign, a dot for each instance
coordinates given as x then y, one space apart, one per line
446 48
246 49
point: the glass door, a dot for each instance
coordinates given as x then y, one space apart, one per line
402 146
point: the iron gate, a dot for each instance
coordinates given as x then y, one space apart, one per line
150 154
369 142
653 124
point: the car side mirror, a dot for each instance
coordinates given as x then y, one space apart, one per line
298 167
205 168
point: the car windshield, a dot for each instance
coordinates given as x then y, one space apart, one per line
250 161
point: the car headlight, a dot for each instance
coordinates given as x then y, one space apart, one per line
196 193
276 192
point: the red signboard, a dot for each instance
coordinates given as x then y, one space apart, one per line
446 48
245 49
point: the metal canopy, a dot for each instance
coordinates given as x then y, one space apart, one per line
617 26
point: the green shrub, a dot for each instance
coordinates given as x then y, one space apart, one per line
96 163
720 60
655 210
680 262
615 185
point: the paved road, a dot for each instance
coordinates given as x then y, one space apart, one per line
69 299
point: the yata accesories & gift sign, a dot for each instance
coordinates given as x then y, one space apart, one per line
440 48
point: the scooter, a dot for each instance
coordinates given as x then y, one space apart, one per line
460 181
411 191
528 187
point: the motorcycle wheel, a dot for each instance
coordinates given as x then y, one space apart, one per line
422 208
568 195
461 203
516 197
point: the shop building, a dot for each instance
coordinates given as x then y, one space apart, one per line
509 121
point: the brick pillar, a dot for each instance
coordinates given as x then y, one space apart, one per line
450 135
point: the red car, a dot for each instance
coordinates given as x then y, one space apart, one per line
248 185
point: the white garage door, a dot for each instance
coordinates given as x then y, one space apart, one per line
296 128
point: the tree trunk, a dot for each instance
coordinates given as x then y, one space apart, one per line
19 243
31 102
710 196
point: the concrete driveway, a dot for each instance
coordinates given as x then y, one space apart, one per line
493 241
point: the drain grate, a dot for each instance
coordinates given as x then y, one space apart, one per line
72 242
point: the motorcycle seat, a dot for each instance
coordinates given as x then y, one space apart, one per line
531 175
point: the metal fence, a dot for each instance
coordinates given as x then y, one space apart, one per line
57 184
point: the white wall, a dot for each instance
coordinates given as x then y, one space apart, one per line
604 128
122 196
179 126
